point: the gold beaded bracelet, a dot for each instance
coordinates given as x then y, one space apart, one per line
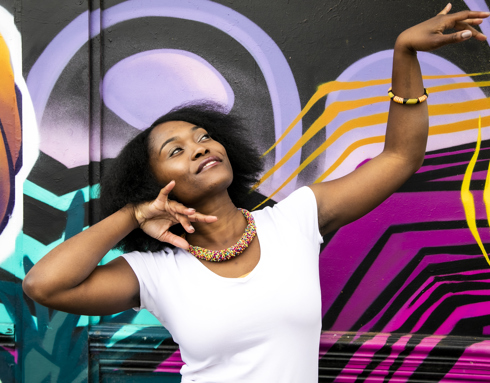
409 101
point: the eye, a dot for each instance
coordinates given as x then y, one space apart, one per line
204 137
175 151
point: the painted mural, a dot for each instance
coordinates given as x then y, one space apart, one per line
18 153
405 289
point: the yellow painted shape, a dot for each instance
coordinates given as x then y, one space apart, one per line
486 194
467 197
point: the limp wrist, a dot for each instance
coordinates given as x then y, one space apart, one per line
130 211
403 45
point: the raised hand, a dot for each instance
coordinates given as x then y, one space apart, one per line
430 35
156 217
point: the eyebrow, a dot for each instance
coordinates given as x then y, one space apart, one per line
176 137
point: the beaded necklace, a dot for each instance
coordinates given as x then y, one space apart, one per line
232 251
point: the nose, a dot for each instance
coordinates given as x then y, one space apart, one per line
199 151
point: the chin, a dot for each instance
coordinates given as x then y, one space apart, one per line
203 191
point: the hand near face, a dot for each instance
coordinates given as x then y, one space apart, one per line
429 35
156 217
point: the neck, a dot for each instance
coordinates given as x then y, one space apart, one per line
225 232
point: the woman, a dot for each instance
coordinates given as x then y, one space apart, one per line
249 313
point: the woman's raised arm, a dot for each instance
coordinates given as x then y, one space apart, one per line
68 278
348 198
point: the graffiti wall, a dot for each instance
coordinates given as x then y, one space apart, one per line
405 290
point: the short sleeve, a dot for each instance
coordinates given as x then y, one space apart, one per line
300 211
139 264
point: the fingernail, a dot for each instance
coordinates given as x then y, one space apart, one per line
466 34
191 229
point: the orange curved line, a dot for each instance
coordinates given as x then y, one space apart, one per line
433 131
436 77
459 126
459 85
363 122
347 152
359 122
5 179
9 112
335 108
340 106
322 91
459 107
342 157
334 86
325 118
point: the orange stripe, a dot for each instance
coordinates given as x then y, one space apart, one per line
459 107
347 152
335 165
322 91
326 117
9 113
433 131
334 86
459 126
377 119
4 179
340 106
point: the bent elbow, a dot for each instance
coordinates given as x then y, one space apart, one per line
29 286
34 290
418 162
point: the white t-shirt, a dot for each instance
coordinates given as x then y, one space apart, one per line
262 328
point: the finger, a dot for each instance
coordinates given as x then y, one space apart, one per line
185 222
175 240
178 208
466 25
162 196
480 37
167 188
468 15
198 217
446 9
162 201
472 21
455 37
468 32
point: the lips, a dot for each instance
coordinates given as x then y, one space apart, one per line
207 163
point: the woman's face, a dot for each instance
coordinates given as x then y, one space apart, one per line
185 153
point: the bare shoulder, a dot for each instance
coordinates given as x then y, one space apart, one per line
348 198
